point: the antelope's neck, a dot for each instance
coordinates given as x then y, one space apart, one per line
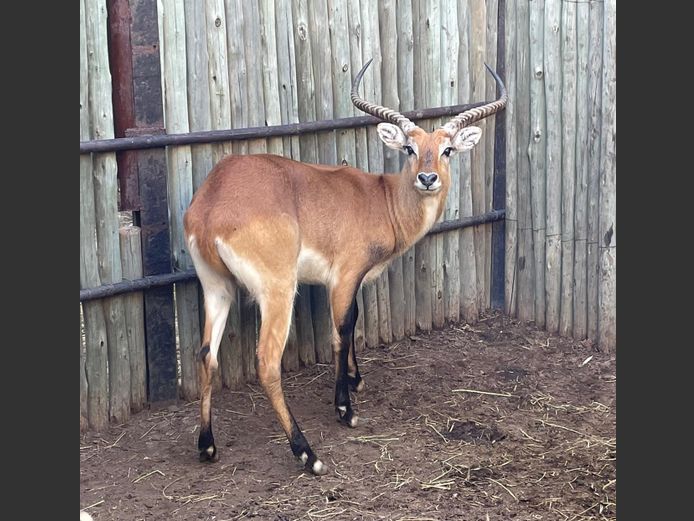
412 214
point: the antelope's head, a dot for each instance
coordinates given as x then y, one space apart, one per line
428 165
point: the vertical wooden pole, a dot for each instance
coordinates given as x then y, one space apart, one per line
568 163
450 43
537 151
511 221
104 173
525 273
131 258
478 74
388 35
468 269
595 55
580 325
498 253
172 29
405 49
552 68
608 184
96 341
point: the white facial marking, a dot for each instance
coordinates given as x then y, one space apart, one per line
210 450
342 408
303 457
429 207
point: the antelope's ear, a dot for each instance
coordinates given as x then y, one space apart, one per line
466 138
392 136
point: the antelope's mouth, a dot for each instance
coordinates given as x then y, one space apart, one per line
431 189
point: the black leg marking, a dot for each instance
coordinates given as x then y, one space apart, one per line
202 354
206 446
343 406
354 381
302 450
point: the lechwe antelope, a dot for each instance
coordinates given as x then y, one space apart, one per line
268 223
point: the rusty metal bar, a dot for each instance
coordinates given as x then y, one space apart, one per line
236 134
127 286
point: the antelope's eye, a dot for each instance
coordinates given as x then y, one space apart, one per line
409 149
448 151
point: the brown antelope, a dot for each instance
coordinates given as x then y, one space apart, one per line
269 223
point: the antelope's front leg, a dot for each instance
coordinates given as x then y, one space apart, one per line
344 309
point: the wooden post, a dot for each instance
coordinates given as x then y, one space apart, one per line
106 206
580 325
154 218
96 341
248 16
405 48
553 246
271 88
492 22
468 269
608 184
424 249
131 261
388 36
450 44
499 177
248 335
373 91
180 183
537 151
432 37
525 273
286 70
568 164
511 221
359 338
595 57
304 325
478 73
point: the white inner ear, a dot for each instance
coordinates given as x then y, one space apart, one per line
466 138
392 136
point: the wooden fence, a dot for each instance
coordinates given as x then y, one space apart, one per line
233 64
561 167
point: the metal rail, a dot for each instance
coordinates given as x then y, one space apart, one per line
236 134
153 281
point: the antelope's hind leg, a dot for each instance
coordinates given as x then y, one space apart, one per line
218 295
276 312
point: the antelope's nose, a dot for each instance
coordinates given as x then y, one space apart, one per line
427 179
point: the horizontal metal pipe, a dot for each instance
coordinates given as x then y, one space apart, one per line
236 134
153 281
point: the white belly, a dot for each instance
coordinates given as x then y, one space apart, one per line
313 267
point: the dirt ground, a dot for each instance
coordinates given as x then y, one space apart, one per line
493 421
